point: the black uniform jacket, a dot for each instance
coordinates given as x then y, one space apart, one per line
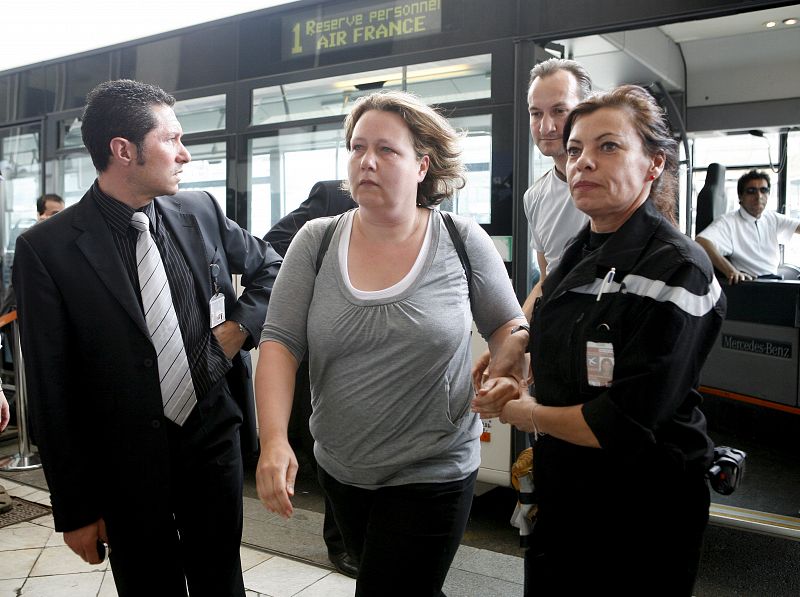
661 313
92 374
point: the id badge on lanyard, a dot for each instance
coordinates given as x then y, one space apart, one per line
216 306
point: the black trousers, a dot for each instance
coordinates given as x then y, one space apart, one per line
404 537
649 546
194 540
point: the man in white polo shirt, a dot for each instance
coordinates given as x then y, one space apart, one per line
556 87
743 244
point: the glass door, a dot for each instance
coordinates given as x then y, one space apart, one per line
21 167
207 171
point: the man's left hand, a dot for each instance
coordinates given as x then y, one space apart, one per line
230 338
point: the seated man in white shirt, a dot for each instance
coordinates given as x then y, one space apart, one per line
743 244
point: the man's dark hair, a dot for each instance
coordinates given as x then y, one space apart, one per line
120 108
748 176
41 202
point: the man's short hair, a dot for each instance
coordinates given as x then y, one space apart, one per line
553 65
41 202
120 108
752 175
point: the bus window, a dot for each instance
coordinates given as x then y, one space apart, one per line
792 250
739 153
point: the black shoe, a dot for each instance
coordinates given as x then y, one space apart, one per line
344 564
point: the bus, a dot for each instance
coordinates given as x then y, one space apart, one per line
261 98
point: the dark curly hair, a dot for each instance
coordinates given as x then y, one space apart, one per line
121 108
747 177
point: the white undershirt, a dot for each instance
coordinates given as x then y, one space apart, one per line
395 289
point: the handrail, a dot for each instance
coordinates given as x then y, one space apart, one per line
764 523
8 318
26 458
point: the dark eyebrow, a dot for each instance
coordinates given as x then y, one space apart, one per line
609 134
598 138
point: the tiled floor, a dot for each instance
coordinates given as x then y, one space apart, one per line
35 562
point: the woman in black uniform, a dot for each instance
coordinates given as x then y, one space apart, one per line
619 337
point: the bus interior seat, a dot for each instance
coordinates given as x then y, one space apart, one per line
711 200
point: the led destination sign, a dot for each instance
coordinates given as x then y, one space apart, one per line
313 32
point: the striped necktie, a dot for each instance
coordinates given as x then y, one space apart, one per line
177 389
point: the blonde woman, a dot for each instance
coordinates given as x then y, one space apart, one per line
387 322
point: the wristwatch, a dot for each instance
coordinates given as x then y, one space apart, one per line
519 328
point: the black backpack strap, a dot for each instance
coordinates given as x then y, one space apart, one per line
326 239
458 242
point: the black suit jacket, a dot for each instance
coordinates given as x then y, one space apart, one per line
325 199
92 374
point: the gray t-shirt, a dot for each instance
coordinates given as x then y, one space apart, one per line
390 378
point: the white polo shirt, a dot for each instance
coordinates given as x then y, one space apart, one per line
751 245
552 216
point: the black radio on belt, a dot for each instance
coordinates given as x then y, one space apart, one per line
727 470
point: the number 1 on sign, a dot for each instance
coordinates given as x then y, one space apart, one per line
296 48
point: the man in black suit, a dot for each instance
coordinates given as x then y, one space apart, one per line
325 199
163 491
